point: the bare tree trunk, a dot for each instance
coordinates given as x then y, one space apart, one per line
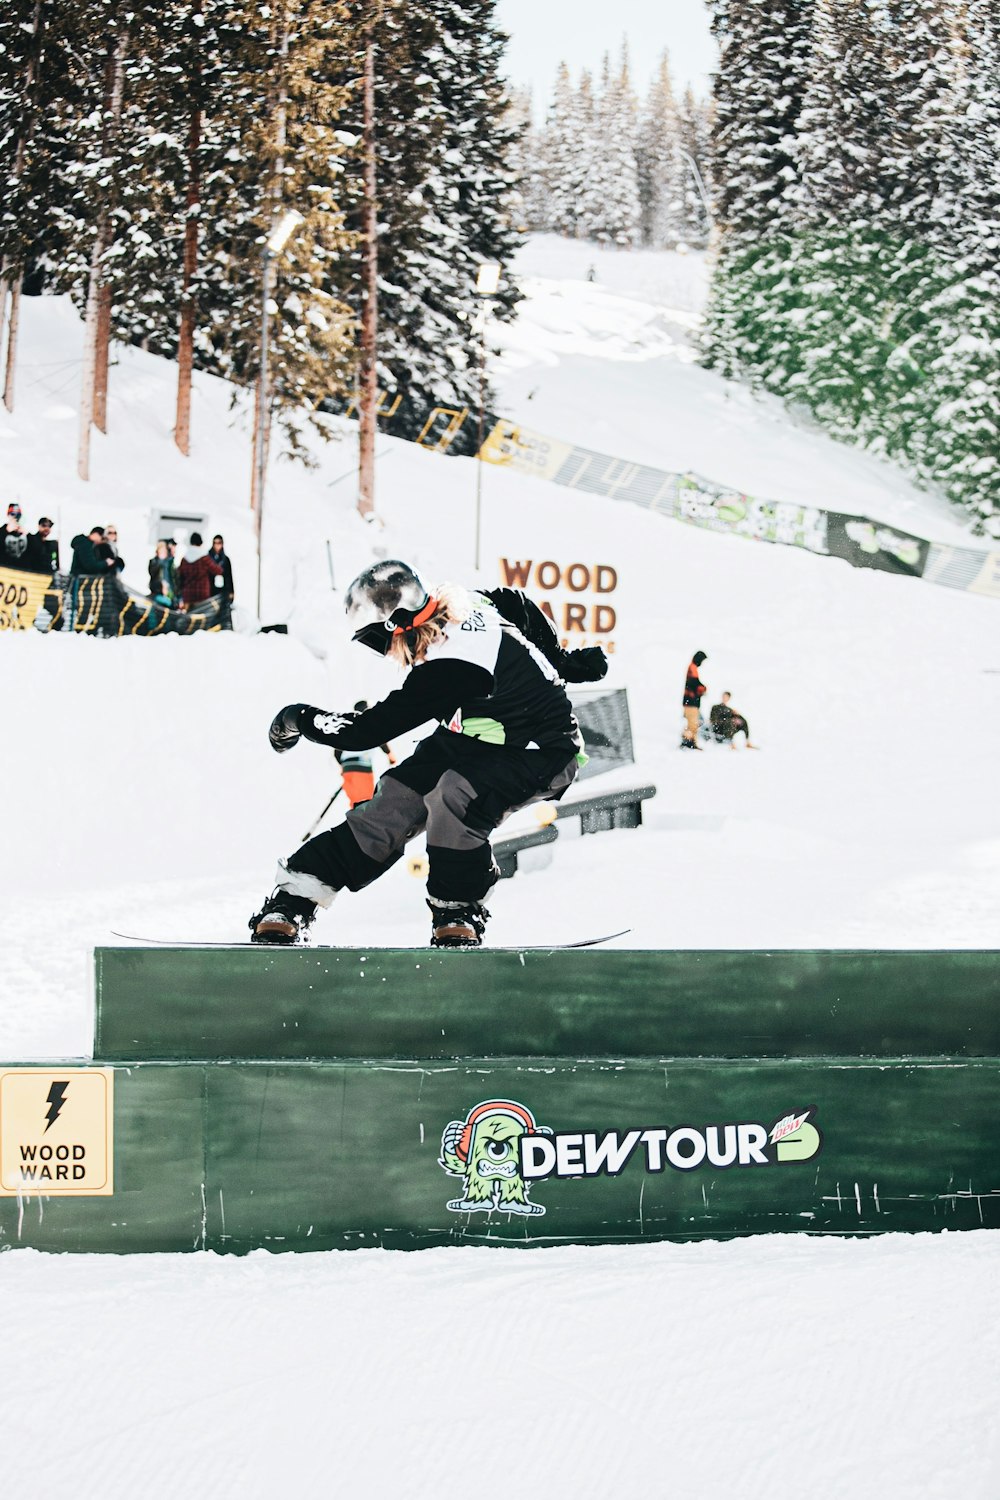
114 77
185 343
3 300
185 340
262 403
11 362
102 340
92 355
368 370
89 359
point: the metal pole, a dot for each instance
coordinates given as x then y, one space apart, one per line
263 408
699 183
479 435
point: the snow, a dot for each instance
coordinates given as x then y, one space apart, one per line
142 796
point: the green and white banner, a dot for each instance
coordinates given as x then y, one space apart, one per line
859 540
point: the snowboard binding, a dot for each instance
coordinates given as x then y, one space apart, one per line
457 925
283 919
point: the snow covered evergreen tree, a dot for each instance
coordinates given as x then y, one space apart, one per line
280 146
527 197
564 144
613 214
957 415
759 88
660 169
446 146
871 297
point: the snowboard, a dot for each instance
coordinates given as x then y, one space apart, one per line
131 937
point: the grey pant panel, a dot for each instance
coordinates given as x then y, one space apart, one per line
447 805
558 785
383 826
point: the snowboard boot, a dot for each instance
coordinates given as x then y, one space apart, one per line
283 918
457 925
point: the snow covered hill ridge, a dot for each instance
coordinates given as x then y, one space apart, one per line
600 355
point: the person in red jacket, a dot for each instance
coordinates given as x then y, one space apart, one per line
196 574
694 691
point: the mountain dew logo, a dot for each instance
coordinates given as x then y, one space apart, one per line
484 1150
794 1138
499 1150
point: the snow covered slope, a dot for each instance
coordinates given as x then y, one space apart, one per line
141 795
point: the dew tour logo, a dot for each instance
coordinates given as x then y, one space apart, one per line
499 1150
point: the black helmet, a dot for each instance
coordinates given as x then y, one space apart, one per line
384 601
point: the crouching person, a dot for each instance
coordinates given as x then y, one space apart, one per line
489 668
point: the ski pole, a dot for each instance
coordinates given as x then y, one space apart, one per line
311 830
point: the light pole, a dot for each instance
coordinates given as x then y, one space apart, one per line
699 183
487 281
276 241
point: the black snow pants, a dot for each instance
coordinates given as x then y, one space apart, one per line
457 789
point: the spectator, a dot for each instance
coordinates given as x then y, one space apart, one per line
220 557
726 724
223 585
163 576
357 770
13 541
108 549
42 552
87 560
197 573
694 691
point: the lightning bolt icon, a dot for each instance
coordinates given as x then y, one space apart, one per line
56 1098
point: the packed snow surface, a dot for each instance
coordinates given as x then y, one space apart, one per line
142 796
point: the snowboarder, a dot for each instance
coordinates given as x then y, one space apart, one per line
694 691
489 668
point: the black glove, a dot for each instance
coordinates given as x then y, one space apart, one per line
586 665
284 731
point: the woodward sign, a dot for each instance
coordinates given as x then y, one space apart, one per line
577 602
57 1132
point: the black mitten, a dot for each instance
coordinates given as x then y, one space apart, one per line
586 665
284 731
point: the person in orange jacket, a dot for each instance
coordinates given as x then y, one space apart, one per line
357 770
694 691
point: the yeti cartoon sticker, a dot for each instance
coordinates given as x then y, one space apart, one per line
484 1150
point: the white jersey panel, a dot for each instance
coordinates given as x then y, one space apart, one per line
475 640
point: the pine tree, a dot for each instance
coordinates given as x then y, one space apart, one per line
874 299
587 179
616 215
759 89
22 40
447 201
527 197
958 413
277 145
567 131
660 168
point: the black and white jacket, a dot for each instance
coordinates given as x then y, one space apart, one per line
497 676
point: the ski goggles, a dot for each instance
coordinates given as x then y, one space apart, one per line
380 634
